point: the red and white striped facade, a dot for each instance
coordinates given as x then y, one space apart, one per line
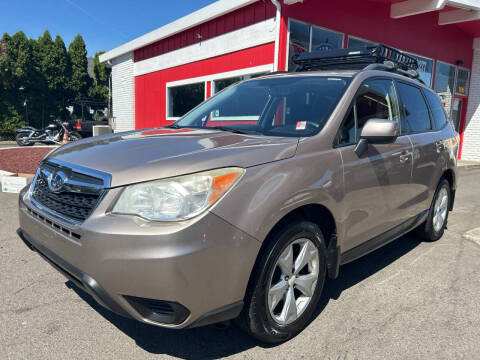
233 38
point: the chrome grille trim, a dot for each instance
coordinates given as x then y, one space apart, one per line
82 184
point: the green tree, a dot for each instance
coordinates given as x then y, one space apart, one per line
48 71
15 65
59 84
101 74
80 81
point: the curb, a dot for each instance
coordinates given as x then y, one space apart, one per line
30 147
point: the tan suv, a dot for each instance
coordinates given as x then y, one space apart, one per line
243 207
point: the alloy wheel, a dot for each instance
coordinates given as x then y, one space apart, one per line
293 281
440 210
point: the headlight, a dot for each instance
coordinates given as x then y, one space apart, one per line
177 198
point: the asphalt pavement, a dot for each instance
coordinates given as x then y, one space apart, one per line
408 300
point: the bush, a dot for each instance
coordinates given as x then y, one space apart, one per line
9 122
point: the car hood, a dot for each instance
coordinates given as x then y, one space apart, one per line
144 155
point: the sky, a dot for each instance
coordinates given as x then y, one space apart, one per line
104 24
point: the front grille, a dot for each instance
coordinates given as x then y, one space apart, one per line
76 205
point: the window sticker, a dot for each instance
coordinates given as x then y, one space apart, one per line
301 125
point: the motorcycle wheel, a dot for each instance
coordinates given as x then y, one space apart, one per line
74 136
22 139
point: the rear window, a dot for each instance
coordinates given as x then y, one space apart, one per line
417 117
438 113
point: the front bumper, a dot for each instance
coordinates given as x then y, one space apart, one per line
198 269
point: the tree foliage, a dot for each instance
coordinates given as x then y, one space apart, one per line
42 76
101 73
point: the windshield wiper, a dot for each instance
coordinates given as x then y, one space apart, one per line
173 126
234 130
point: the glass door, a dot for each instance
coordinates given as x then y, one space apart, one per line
457 111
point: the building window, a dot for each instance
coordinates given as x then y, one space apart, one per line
425 68
219 85
463 76
182 99
354 42
444 84
323 39
305 37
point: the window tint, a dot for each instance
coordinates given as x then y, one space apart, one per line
375 99
439 117
182 99
417 118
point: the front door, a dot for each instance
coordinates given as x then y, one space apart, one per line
376 184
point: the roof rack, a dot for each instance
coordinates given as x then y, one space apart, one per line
369 57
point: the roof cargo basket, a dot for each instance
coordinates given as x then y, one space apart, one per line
375 56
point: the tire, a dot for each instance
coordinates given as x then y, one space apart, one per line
260 316
434 227
74 136
20 142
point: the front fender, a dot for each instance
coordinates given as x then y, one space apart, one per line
269 192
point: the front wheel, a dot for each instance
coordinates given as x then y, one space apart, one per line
434 227
287 284
22 139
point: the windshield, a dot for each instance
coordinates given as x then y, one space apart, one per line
286 106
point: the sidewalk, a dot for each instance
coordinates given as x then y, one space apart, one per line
468 164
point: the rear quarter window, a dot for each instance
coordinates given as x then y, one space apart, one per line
436 108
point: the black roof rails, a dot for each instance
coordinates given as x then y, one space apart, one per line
369 57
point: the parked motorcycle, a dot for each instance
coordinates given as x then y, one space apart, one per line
52 134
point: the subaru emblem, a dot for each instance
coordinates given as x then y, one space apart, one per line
56 181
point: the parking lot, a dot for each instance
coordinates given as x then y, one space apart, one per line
408 300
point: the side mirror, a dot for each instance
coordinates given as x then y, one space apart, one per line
376 131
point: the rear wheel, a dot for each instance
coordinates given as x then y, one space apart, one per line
74 136
436 222
22 139
287 285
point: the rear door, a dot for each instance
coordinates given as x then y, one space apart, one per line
427 141
376 184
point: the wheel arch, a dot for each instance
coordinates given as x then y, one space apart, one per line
449 175
316 213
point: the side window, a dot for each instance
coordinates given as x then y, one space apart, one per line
436 108
375 99
417 117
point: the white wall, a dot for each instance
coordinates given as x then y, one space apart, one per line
254 35
471 136
123 92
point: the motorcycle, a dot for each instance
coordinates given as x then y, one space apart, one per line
52 134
